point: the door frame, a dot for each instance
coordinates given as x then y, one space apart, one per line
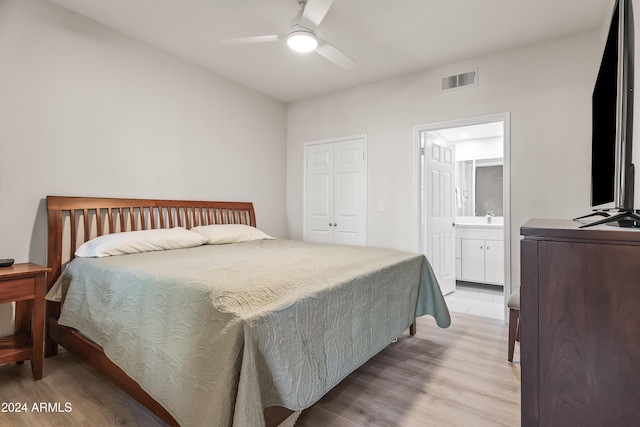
418 243
307 144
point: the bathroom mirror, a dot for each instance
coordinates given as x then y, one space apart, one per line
479 187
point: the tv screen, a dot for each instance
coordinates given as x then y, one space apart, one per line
612 168
604 121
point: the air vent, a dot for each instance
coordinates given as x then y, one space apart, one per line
459 80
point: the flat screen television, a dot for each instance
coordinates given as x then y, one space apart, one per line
612 169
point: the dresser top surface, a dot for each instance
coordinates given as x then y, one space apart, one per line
551 229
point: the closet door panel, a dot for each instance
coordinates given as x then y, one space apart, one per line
350 193
319 193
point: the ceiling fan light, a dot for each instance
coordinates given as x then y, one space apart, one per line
302 41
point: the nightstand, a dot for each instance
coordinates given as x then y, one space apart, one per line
24 284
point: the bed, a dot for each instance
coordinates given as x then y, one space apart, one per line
239 334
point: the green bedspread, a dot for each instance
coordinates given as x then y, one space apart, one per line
218 333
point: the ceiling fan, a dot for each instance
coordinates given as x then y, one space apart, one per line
302 34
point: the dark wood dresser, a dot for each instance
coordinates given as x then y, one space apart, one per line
580 325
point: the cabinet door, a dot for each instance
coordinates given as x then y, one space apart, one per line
494 261
473 260
588 328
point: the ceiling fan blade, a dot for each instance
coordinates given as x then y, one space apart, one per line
334 55
255 39
316 10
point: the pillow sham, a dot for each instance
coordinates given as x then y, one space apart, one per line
220 234
131 242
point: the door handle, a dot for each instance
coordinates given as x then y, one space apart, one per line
335 225
330 224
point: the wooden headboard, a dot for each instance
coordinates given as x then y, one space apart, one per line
74 220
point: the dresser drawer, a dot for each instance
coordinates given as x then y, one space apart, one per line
17 289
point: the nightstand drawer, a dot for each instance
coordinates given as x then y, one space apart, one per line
17 289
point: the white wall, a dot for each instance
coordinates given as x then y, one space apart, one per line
478 149
547 89
87 111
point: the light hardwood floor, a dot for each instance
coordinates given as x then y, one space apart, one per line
457 376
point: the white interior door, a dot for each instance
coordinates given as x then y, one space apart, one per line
336 192
350 196
439 209
319 193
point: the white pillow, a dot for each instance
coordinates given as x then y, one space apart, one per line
131 242
218 234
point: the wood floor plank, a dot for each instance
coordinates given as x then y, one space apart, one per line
457 376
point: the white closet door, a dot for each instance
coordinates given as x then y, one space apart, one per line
350 199
319 193
336 192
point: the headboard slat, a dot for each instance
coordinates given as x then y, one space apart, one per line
99 221
132 218
74 237
152 217
85 217
142 222
111 227
161 216
121 215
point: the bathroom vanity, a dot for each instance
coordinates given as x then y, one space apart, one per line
480 250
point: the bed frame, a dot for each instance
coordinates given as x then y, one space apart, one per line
74 220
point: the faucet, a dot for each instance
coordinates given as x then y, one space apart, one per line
489 215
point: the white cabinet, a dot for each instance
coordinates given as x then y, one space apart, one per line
481 255
494 261
473 260
336 192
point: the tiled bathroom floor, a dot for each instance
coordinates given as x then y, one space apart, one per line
477 299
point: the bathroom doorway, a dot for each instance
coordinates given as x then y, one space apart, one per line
463 205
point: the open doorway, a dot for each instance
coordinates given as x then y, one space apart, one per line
463 211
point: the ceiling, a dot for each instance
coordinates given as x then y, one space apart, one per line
386 38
